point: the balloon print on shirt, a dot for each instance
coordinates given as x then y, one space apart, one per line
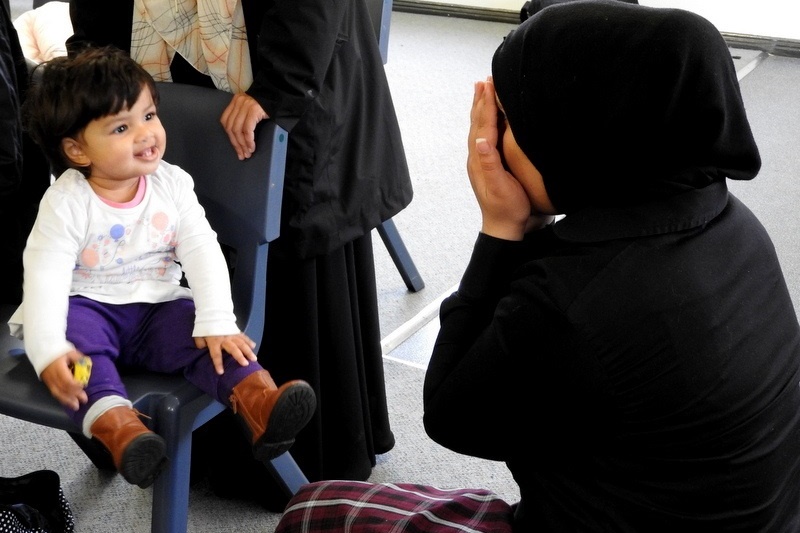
103 250
142 250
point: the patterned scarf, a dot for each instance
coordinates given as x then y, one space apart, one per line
209 34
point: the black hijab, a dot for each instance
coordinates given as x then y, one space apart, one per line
617 104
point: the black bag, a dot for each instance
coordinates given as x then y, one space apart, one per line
34 503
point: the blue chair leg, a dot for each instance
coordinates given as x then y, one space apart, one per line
286 472
171 488
399 254
176 422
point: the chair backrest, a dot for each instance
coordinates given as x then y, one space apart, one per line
244 207
380 13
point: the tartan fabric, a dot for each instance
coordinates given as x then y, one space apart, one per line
362 507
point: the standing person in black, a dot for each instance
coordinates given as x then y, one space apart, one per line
636 362
316 70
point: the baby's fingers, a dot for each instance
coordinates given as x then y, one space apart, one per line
241 349
216 359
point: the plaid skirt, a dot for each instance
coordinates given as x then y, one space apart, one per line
362 507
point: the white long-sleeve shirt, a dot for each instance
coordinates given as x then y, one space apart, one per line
81 245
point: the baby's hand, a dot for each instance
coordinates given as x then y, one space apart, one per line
62 383
239 346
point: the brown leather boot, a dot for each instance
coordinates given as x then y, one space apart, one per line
272 416
138 453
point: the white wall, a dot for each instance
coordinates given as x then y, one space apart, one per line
763 18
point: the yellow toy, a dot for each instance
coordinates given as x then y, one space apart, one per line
82 370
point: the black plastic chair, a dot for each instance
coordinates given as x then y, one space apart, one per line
243 203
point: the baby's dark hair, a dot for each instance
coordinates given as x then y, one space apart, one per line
67 93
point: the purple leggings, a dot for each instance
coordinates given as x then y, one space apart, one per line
155 337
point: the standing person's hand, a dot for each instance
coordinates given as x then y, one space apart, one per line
240 119
505 206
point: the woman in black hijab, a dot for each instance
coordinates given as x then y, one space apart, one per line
635 363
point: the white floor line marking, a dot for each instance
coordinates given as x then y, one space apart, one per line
401 334
751 66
